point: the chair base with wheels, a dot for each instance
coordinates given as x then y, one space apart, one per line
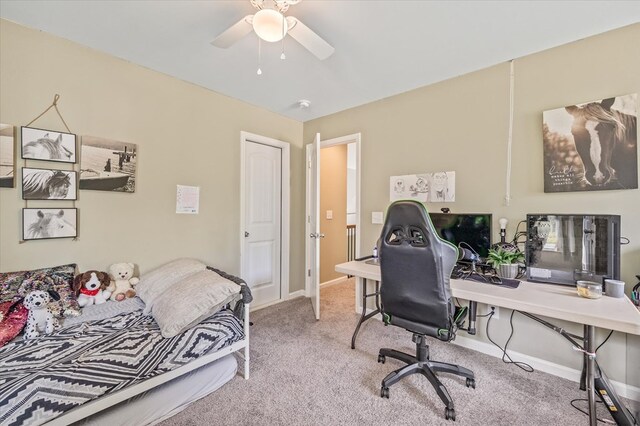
421 364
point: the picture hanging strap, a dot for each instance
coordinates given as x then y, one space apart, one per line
53 105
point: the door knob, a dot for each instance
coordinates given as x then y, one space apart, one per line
320 235
246 234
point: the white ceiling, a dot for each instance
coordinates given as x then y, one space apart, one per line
382 47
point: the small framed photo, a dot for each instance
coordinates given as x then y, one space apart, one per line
7 159
49 184
42 224
47 145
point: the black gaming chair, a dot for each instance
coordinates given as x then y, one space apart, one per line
415 267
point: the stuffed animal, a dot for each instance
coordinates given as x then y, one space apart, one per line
40 319
91 288
122 281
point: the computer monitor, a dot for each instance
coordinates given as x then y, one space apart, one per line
473 229
565 248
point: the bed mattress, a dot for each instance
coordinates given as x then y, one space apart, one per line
44 378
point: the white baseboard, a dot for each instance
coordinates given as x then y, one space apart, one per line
298 293
254 308
333 282
624 390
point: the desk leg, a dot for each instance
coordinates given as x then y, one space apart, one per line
363 300
363 315
589 347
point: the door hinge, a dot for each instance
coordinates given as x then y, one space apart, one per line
309 272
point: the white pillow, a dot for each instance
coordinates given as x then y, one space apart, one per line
192 300
155 282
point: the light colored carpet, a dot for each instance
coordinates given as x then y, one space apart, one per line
303 372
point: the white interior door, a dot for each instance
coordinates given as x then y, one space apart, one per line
263 222
313 234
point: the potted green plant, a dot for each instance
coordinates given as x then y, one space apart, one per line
505 262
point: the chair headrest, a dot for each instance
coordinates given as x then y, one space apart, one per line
408 222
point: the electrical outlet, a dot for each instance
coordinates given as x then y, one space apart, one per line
496 312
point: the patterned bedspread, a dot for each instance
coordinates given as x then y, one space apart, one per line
43 378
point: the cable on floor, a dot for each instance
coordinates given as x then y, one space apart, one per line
522 365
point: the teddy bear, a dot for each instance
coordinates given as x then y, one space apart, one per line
41 318
122 281
91 288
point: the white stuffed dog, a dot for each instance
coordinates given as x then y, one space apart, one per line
91 288
40 319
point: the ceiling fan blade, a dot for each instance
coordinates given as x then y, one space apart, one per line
309 39
234 33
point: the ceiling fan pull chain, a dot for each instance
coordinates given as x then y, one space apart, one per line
259 72
284 32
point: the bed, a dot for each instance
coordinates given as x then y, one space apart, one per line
120 369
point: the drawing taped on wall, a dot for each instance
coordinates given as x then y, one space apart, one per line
438 187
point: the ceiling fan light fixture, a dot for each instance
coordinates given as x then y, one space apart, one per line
270 25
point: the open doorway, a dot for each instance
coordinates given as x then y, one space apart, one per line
339 215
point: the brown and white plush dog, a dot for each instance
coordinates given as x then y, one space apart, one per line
91 288
40 319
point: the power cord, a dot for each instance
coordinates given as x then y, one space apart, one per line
573 401
604 341
597 401
522 365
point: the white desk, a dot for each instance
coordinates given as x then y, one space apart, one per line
553 301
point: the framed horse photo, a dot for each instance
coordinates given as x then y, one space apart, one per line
47 145
47 184
43 224
591 146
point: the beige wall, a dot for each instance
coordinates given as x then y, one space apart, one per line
462 125
189 135
333 196
185 135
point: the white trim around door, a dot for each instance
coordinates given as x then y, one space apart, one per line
344 140
285 208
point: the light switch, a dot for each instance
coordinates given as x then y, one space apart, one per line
377 218
329 214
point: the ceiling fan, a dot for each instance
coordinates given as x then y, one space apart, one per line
270 24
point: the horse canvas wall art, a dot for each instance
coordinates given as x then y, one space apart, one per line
39 144
591 146
46 184
7 158
40 224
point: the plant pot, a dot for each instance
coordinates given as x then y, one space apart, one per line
508 270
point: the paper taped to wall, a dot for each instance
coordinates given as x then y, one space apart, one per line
187 199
